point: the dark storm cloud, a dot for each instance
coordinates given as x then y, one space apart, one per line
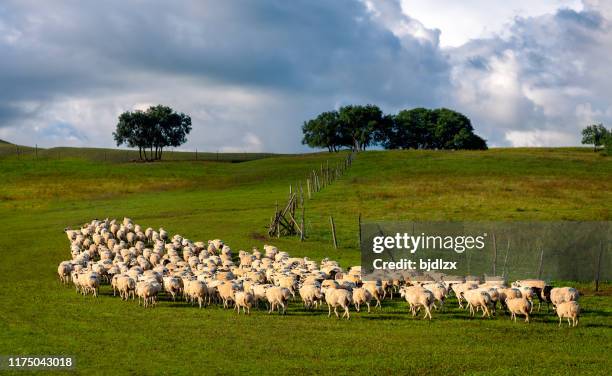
74 49
250 72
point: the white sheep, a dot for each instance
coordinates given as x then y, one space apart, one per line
569 310
277 297
361 296
244 300
418 297
477 298
563 294
338 298
439 292
519 306
311 295
63 271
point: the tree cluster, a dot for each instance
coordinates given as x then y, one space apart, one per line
153 130
358 127
598 135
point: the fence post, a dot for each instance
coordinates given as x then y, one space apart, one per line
494 255
359 224
333 229
598 266
504 272
302 224
196 154
541 264
36 151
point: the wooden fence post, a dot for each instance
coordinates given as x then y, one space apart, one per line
598 266
302 235
494 255
359 224
541 264
333 229
504 271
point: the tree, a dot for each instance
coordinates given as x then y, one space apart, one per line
421 128
323 131
594 134
358 125
607 142
409 129
153 129
453 130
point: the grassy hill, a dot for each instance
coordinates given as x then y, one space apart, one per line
9 151
205 200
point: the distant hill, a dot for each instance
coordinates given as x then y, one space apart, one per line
10 150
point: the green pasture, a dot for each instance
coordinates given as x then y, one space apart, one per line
234 201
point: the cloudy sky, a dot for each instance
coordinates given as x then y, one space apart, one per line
528 73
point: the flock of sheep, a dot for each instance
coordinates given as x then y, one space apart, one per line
146 263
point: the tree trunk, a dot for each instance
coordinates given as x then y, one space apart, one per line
161 148
140 152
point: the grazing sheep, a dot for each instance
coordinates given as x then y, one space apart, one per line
361 296
338 298
477 298
376 291
519 306
63 271
439 292
563 294
144 263
311 295
418 297
569 310
226 293
460 288
277 297
245 300
173 286
126 286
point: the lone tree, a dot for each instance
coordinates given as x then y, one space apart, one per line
153 130
595 134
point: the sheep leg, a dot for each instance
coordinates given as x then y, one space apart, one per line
559 321
329 307
427 312
336 311
526 317
368 303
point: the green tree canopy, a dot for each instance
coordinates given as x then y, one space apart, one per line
154 129
595 134
323 131
358 125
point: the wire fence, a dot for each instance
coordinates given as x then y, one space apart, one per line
10 151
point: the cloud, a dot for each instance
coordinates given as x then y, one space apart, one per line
237 68
544 80
250 72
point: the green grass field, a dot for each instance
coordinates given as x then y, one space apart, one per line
234 201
